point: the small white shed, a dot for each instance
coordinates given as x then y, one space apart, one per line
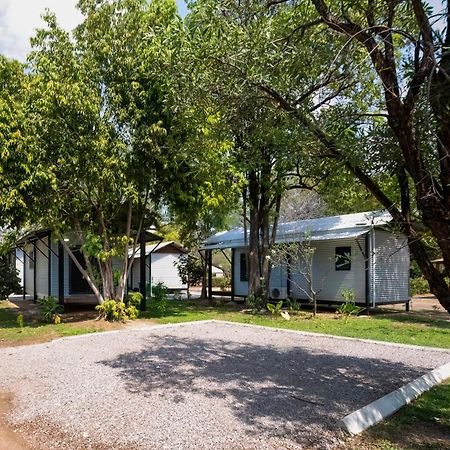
162 267
376 267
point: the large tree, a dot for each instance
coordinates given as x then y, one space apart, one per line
230 49
96 125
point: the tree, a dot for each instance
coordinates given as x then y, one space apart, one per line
229 46
98 128
387 31
372 62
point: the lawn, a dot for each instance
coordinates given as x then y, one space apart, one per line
422 425
398 327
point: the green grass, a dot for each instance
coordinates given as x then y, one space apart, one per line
393 327
33 330
423 425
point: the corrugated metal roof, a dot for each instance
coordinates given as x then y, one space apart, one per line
151 248
324 228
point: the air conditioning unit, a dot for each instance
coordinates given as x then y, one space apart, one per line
278 293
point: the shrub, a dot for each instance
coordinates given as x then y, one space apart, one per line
294 305
418 286
50 310
348 308
221 282
254 302
115 311
158 299
9 281
275 309
112 311
20 321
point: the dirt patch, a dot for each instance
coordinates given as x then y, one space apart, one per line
8 438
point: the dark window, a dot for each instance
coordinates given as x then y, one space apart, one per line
243 267
343 258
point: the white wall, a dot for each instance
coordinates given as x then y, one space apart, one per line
329 281
326 278
41 265
163 270
29 277
390 265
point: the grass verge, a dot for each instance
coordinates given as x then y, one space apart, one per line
423 425
392 327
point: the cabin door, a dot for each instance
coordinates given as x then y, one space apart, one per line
77 284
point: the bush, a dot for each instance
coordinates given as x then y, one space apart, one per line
293 305
158 299
275 309
50 310
9 281
254 302
418 286
348 308
114 311
221 282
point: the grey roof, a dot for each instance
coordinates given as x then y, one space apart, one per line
324 228
156 247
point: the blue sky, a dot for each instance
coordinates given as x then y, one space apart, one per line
19 19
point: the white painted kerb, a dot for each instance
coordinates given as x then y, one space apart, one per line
375 412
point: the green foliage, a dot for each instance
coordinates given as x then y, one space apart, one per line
50 310
190 270
115 311
158 300
254 302
418 285
134 298
348 308
9 280
294 305
112 311
275 309
20 321
221 282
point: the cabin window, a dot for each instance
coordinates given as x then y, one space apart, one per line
243 267
343 258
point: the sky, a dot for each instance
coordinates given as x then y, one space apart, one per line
20 18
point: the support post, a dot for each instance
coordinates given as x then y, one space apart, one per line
49 264
408 306
210 275
34 272
288 275
367 267
143 272
233 254
24 274
60 274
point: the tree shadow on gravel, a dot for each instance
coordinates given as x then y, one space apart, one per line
291 393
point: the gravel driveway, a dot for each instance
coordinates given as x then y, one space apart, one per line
206 385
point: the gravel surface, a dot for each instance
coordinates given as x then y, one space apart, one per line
205 385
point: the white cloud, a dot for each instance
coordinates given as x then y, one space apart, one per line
20 18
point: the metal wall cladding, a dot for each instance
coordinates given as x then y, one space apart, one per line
390 265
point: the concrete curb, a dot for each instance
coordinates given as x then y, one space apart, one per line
380 409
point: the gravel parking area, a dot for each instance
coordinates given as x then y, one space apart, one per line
205 385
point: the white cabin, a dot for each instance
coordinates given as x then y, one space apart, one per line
376 259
